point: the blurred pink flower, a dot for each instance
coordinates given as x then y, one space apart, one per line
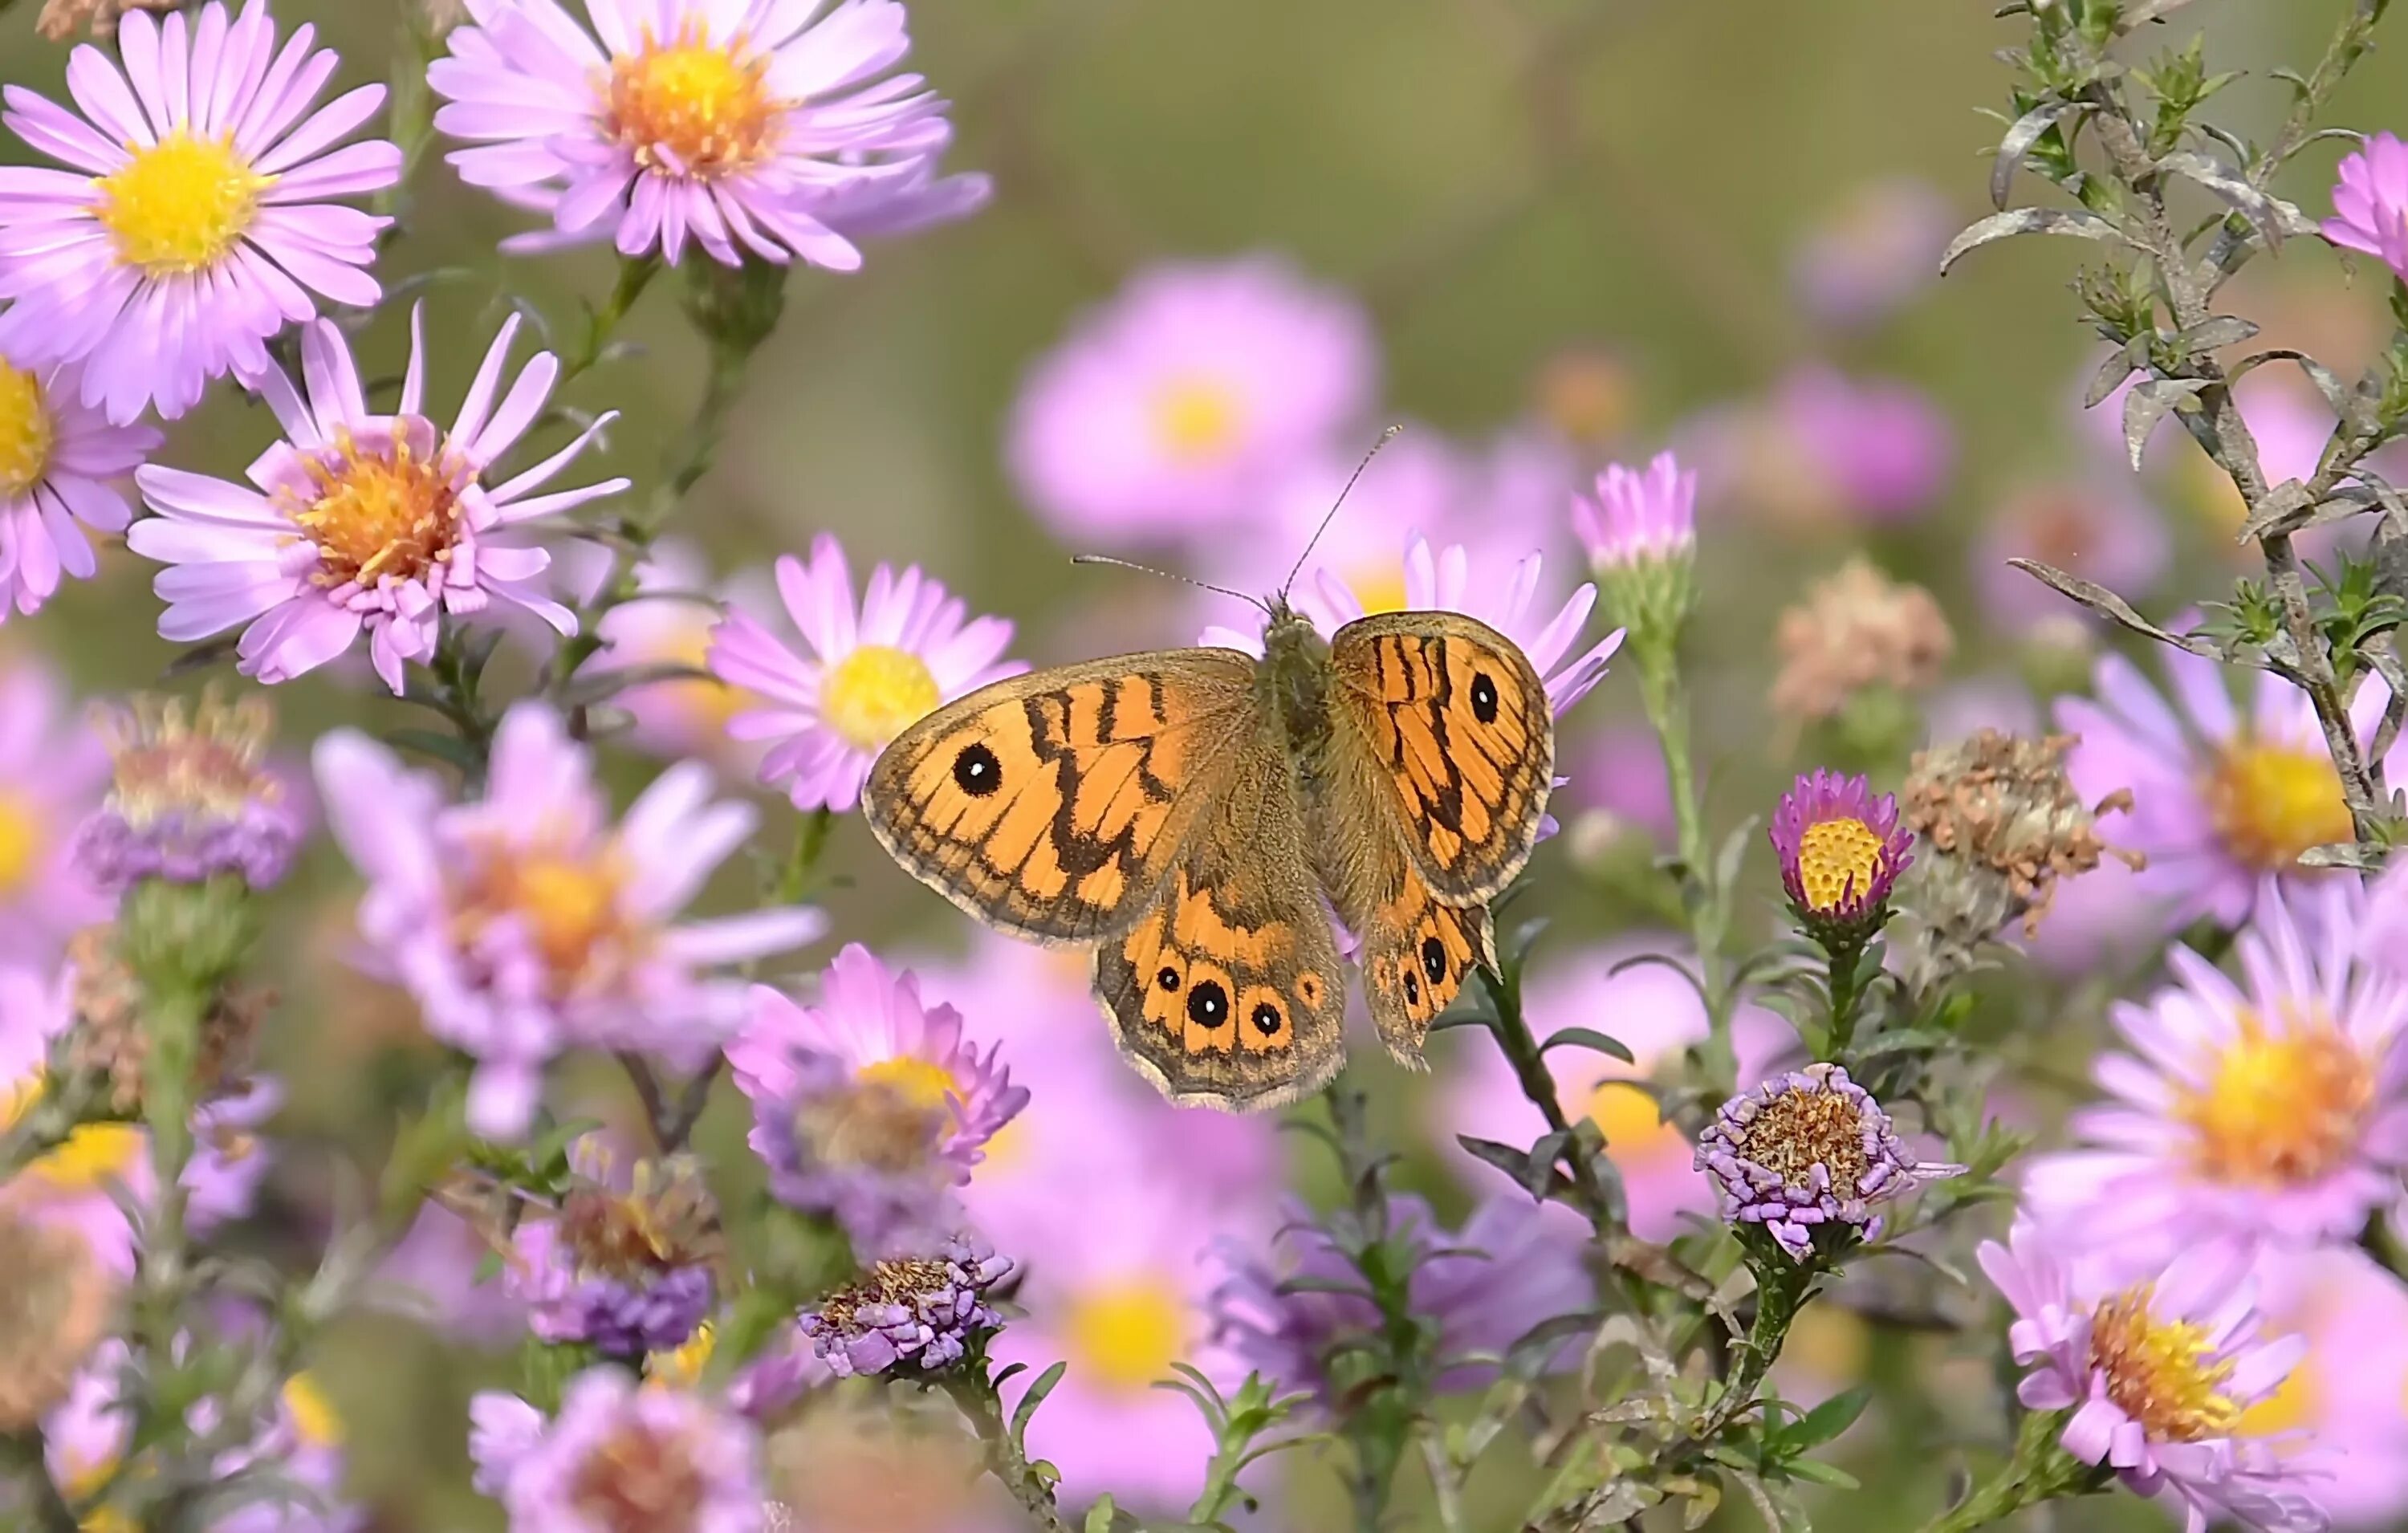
763 132
613 1445
197 214
2371 202
53 772
1619 768
361 522
1172 411
59 458
2097 529
872 671
2267 1113
2350 1394
1656 1013
1639 514
1873 252
431 1276
2223 797
669 624
1882 450
524 923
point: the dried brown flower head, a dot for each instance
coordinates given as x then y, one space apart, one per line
63 19
107 1040
1856 629
55 1302
2002 809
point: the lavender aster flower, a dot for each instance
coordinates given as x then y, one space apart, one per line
363 523
195 221
1842 851
189 800
58 457
624 1263
2158 1375
1806 1149
618 1457
2370 202
914 1314
869 1105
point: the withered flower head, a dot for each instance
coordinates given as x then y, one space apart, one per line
54 1308
189 798
2002 809
1856 629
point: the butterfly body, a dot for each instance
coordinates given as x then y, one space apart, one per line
1186 813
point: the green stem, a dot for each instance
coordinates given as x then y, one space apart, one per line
1845 959
1521 1050
1706 904
1783 1288
635 275
973 1393
2040 1470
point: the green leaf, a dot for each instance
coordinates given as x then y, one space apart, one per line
1820 1474
451 749
1588 1038
1826 1421
1513 1163
1026 1411
1100 1516
1539 1172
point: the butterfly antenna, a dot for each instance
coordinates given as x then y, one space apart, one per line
1385 438
1149 569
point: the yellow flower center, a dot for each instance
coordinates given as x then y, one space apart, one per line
26 432
2281 1109
1197 419
2294 1404
876 692
92 1153
682 1367
1383 591
2270 802
314 1417
689 108
568 903
1635 1131
2163 1374
1126 1335
182 204
709 703
21 843
378 512
1837 861
919 1084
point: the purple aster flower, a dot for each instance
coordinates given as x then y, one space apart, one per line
765 131
916 1314
58 457
618 1456
1510 1269
2268 1113
2159 1376
869 1105
1882 450
2370 202
1842 851
2097 529
525 923
1168 413
1808 1149
54 771
189 800
2223 797
1638 516
381 522
1878 249
872 671
195 221
624 1262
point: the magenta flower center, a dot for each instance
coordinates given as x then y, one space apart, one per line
2281 1109
2163 1374
182 204
876 692
689 108
382 512
640 1481
27 433
2270 802
1838 861
1126 1334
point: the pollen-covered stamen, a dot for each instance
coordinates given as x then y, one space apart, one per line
2270 802
2165 1375
179 206
383 511
1838 861
876 692
1800 1130
27 432
2282 1108
639 1479
692 107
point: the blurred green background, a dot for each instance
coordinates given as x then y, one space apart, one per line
1503 182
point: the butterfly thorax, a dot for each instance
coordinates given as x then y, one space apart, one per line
1294 680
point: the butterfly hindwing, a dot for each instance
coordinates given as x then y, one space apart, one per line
1417 955
1051 805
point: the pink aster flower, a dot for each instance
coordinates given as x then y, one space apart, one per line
1874 252
768 130
2097 529
869 1105
1169 413
1880 450
668 624
361 522
1842 852
196 220
683 1458
525 923
57 456
2370 202
2158 1375
1638 515
2224 796
2268 1111
872 671
2348 1395
53 772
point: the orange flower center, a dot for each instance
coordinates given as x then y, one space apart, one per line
688 108
382 512
2281 1109
2270 802
2163 1374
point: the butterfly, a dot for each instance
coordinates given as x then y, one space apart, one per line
1185 813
